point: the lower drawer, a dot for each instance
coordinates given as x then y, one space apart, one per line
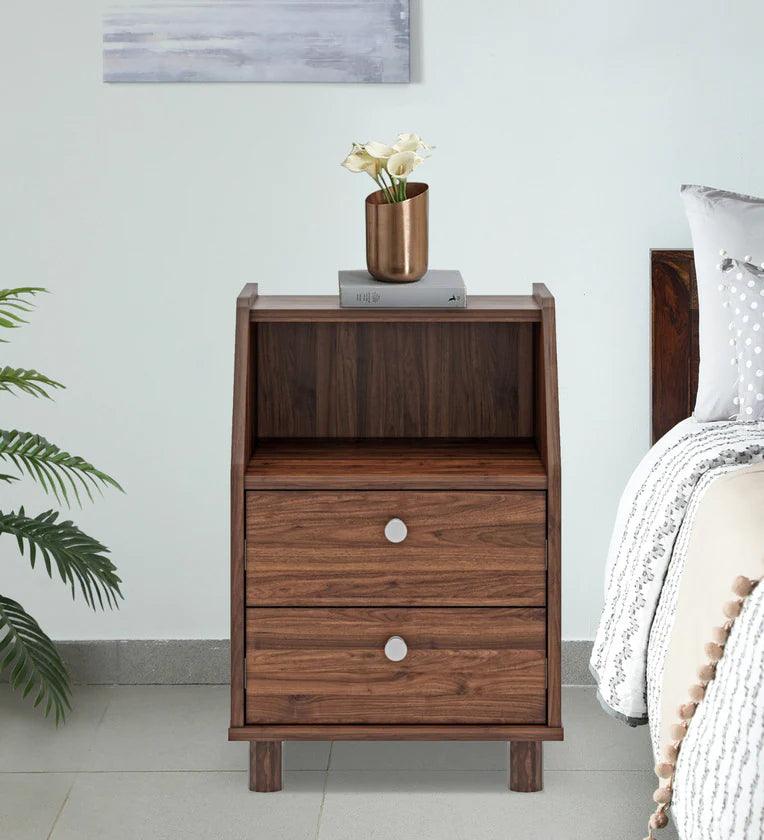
459 666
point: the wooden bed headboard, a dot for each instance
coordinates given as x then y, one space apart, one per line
675 347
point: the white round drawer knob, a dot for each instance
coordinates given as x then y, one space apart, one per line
396 531
396 649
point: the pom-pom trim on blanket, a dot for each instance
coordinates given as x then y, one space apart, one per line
742 588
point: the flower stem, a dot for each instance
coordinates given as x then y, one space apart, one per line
385 190
391 189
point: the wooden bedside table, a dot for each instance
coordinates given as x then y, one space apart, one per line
395 527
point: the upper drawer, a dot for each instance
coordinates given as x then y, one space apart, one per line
460 549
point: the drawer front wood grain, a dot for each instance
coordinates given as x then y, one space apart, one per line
463 666
308 548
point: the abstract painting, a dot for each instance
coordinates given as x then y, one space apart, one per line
257 41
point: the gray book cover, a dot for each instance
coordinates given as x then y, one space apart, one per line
438 289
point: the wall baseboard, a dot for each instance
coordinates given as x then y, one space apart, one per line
206 662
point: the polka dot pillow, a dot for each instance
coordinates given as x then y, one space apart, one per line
743 289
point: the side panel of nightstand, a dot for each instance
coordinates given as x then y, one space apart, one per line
548 443
242 436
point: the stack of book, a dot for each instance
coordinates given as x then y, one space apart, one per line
436 290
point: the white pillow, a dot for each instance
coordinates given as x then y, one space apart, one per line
742 288
719 220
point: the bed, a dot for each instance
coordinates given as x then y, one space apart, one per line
680 645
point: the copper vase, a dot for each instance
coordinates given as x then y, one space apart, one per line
396 236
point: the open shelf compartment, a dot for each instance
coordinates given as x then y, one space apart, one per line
415 463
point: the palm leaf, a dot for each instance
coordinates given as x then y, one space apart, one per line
79 558
16 301
29 381
32 661
57 471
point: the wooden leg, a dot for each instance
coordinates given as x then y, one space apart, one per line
265 766
526 766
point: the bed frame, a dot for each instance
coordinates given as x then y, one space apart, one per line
674 329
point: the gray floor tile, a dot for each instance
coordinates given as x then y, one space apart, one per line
447 805
188 806
593 741
596 741
30 802
418 755
31 743
161 727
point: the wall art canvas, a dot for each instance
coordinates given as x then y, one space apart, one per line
257 41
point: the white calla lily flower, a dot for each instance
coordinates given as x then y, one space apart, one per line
402 164
359 160
379 150
411 143
388 166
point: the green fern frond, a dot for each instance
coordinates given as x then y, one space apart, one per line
78 557
32 661
8 479
15 301
29 381
57 472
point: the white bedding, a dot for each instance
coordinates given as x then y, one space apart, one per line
663 490
692 519
719 780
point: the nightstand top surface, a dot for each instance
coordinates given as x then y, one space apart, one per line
489 308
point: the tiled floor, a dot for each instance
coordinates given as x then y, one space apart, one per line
152 762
